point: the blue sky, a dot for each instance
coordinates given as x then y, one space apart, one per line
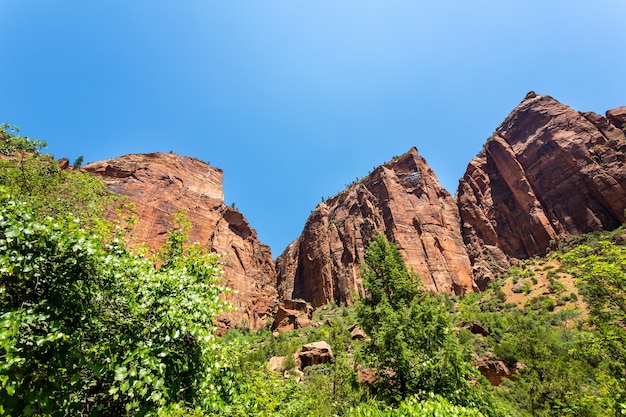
296 99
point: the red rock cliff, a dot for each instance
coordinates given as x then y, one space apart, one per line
547 173
161 184
402 199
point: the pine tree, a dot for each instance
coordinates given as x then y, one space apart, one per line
413 345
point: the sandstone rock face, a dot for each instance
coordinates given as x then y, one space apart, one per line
547 173
495 370
292 314
161 184
617 117
315 353
403 200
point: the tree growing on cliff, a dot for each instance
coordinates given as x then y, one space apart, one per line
413 345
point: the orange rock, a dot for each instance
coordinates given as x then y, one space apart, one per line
495 370
403 200
315 353
547 173
161 184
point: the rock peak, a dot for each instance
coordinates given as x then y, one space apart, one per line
548 172
402 199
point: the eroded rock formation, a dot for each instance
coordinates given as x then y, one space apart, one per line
547 173
160 185
315 353
403 200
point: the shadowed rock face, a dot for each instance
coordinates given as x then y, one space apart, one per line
547 173
403 200
161 184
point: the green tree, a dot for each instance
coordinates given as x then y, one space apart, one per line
78 162
413 344
36 178
88 328
11 143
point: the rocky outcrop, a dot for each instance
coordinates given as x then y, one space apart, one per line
160 185
315 353
403 200
495 370
617 117
356 332
292 314
547 173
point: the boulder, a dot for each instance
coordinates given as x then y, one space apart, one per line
275 363
495 370
292 314
315 353
475 328
356 332
617 117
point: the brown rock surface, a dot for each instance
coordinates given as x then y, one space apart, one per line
494 370
547 173
315 353
292 314
161 184
617 117
402 199
275 363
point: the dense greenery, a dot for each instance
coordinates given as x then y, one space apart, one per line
37 179
88 327
412 336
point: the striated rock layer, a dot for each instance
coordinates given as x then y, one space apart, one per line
403 200
547 173
160 185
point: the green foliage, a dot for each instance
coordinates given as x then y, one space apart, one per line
413 345
50 191
90 329
78 162
569 367
602 269
434 406
11 143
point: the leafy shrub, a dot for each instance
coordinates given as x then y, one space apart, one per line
434 406
87 328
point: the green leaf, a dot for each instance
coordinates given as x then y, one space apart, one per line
121 373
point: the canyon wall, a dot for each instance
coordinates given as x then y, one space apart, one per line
162 184
547 173
403 200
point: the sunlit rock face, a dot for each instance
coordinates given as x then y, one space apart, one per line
162 184
547 173
403 200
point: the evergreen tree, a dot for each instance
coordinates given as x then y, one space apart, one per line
413 345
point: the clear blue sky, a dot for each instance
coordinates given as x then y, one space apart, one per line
295 99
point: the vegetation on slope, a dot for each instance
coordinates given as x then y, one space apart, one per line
89 328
